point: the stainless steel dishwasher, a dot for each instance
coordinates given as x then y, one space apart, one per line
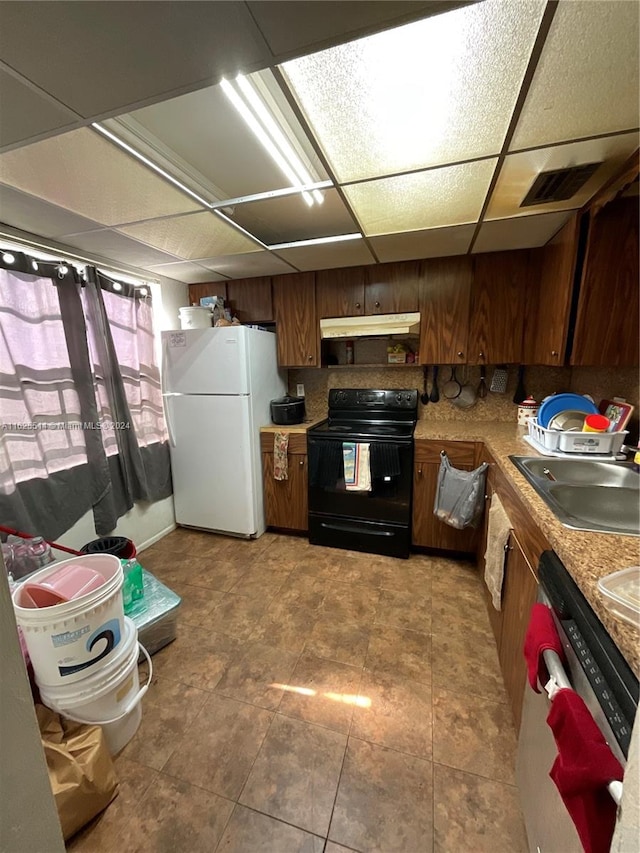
600 675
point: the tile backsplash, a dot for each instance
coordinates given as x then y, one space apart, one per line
538 381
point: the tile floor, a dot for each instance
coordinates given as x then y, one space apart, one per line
317 701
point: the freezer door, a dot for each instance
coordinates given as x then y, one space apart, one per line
214 480
206 361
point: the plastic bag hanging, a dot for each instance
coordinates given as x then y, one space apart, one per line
460 494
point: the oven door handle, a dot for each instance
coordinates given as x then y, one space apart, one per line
350 528
558 680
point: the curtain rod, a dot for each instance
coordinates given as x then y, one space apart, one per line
60 253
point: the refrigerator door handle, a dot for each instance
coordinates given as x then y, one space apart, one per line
165 396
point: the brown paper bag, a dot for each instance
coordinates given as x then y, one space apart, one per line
82 775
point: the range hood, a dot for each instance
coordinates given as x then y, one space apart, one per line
376 324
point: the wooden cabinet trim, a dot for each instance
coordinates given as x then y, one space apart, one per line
459 452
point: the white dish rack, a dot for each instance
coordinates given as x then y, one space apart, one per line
551 442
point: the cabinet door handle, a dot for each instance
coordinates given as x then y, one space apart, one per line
460 354
508 547
310 358
554 353
357 304
301 463
377 304
420 470
480 355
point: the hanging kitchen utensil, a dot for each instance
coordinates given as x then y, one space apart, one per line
499 379
482 388
467 396
424 397
520 393
435 393
451 387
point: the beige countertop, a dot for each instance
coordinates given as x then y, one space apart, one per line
292 428
587 556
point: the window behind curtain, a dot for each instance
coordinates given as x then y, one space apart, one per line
36 387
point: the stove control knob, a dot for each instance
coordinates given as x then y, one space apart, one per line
399 397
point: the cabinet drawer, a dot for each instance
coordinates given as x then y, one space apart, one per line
297 442
459 452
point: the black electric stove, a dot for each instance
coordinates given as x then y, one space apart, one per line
376 520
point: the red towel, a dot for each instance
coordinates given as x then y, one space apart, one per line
541 635
584 767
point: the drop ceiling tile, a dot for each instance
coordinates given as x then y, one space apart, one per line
186 271
115 246
521 232
26 113
314 23
452 195
586 82
24 211
432 243
200 235
210 139
520 170
99 57
351 253
88 175
432 92
289 218
247 265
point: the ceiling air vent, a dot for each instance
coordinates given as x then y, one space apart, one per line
559 184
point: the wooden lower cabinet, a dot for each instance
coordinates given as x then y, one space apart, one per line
286 501
427 530
519 593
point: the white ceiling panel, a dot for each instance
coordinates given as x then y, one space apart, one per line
201 235
103 56
289 218
520 170
452 195
586 82
522 232
111 244
315 22
187 272
247 265
436 91
29 213
351 253
88 175
432 243
26 113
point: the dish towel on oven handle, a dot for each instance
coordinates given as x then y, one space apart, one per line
280 451
357 466
541 636
584 767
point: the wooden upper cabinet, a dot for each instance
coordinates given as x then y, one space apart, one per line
249 299
340 293
549 305
606 331
498 301
297 328
392 288
445 288
210 288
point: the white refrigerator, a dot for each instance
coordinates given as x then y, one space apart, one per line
217 386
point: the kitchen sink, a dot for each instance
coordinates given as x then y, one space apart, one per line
586 494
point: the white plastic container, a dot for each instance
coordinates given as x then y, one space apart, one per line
194 317
110 697
621 593
585 443
67 641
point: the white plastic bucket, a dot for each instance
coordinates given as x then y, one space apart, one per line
67 641
194 317
110 697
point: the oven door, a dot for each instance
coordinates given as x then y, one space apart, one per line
377 521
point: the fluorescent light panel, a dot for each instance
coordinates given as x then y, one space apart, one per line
269 134
339 238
